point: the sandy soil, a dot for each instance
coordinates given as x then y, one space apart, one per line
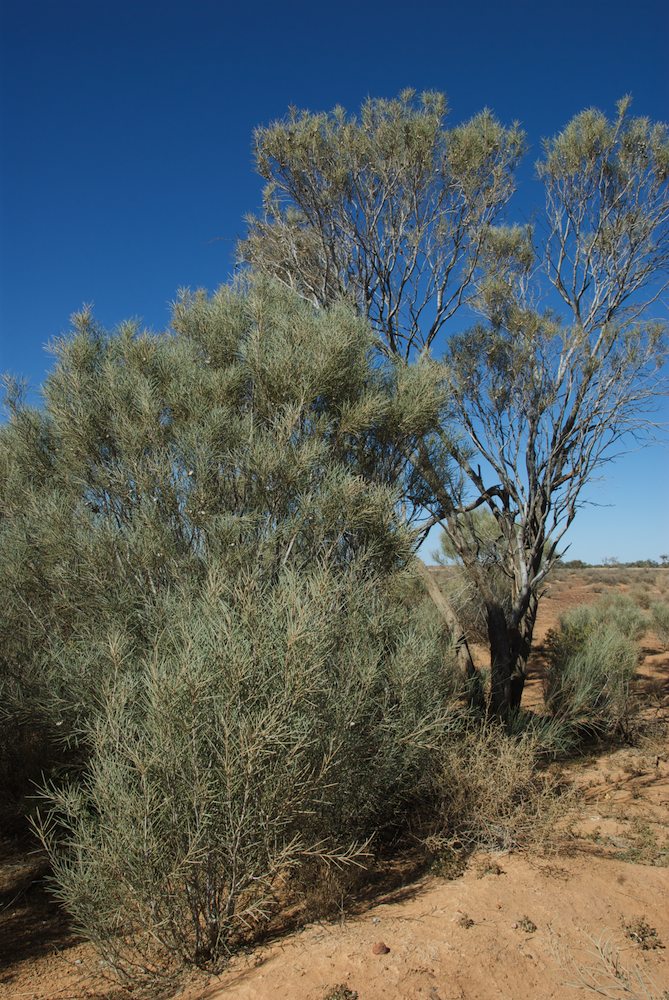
512 926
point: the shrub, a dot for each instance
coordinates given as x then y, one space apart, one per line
240 438
592 658
208 606
492 795
269 725
660 622
641 597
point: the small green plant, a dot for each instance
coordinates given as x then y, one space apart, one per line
645 846
449 861
488 867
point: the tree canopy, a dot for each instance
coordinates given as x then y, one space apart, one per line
562 363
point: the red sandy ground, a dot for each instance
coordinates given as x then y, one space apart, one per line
512 926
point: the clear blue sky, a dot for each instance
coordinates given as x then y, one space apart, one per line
125 162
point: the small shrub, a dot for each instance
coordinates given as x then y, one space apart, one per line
645 936
592 658
341 992
641 597
492 796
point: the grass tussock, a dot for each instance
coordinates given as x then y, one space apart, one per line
592 658
659 619
494 795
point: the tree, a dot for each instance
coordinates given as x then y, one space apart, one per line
390 210
403 216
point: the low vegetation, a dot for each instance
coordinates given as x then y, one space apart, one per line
271 727
659 616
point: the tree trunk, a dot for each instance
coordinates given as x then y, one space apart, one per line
510 648
501 661
471 674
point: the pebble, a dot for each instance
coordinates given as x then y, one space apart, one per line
380 948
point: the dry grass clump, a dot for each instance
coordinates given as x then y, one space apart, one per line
608 976
493 794
641 595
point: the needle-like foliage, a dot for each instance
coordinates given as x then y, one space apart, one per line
403 215
203 620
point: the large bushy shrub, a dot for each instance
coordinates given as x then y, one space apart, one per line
270 725
242 437
205 619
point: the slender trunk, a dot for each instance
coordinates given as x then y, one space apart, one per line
471 674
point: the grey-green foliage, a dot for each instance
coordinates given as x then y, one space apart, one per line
243 436
390 208
592 658
480 535
659 613
270 725
203 602
400 213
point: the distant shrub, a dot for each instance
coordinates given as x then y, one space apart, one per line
641 597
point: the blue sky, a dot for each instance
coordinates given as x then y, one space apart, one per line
125 138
